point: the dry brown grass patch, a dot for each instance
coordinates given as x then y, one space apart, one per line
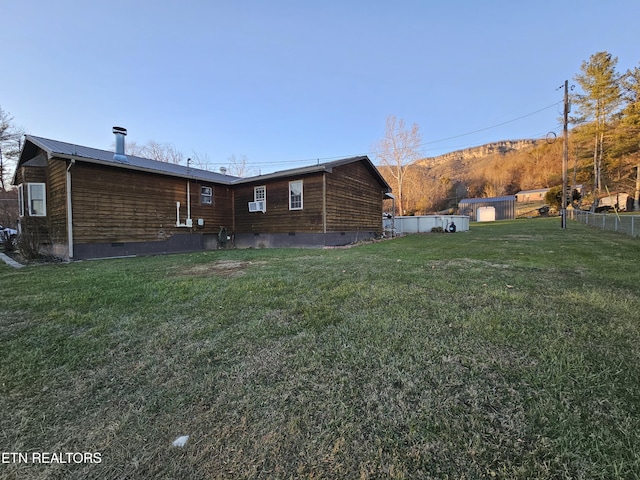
220 268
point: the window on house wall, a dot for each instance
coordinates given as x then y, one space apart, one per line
260 193
206 195
37 199
295 195
20 200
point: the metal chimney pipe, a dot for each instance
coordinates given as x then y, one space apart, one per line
120 133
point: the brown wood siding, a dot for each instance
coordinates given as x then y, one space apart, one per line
278 218
117 205
57 201
354 199
20 176
37 226
32 175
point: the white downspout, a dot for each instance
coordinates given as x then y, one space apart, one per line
69 211
188 222
188 202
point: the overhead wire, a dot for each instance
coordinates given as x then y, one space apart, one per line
493 126
424 144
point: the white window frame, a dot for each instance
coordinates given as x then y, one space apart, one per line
33 212
292 205
260 193
21 200
204 196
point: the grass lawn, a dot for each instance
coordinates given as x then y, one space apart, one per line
509 351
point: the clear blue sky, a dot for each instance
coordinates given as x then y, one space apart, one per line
286 82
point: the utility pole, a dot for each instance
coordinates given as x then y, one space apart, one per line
565 155
1 170
636 198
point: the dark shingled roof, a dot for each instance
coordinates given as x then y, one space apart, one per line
59 149
55 148
321 167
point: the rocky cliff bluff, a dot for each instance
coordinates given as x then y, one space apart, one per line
496 148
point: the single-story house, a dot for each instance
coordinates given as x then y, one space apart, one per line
502 208
83 203
536 195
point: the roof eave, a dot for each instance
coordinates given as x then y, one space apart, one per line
324 167
137 168
284 173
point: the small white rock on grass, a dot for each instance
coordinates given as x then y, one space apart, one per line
180 441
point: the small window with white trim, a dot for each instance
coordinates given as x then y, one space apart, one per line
295 195
206 195
260 193
37 199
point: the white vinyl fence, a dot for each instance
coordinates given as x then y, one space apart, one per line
629 224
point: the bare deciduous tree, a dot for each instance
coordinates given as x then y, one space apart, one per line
10 145
162 152
397 150
236 166
239 166
201 160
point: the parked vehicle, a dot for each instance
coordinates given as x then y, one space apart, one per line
8 234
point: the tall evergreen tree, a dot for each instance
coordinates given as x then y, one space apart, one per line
629 128
600 101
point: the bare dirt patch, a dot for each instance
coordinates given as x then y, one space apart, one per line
221 268
463 263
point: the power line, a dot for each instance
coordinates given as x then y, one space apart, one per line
283 162
494 126
540 135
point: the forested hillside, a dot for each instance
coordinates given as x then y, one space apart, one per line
604 150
